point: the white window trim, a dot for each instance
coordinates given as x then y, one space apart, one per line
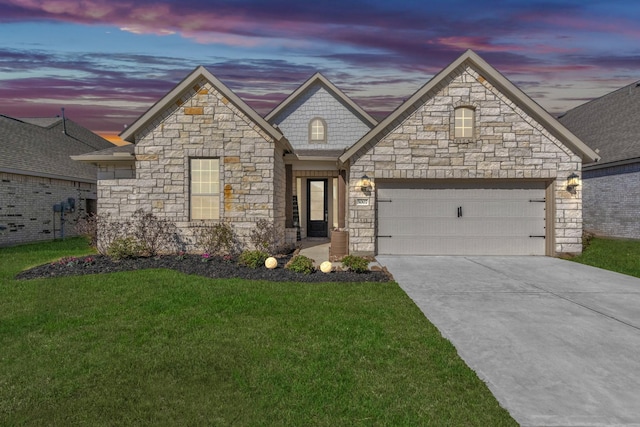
472 125
215 196
313 140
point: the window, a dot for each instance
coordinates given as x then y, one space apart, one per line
464 122
317 130
205 189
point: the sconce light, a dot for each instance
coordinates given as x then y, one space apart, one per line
573 181
365 183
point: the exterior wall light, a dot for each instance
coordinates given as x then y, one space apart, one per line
573 181
365 184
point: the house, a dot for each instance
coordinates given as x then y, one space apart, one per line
610 125
467 165
37 174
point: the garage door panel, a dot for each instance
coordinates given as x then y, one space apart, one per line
461 221
481 227
451 246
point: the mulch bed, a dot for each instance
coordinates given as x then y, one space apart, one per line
214 267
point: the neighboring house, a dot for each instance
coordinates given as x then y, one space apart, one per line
37 174
610 125
467 165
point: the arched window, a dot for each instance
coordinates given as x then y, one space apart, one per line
464 122
317 130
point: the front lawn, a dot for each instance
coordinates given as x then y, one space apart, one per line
158 347
618 255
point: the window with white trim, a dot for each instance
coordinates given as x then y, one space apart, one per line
205 189
317 130
464 122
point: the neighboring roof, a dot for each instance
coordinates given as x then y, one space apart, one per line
470 58
318 78
609 124
39 147
117 153
187 84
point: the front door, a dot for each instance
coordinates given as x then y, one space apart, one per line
317 213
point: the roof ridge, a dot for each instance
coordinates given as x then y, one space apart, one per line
635 83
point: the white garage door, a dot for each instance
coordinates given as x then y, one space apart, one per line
504 219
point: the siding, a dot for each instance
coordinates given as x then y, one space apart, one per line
611 201
26 207
344 128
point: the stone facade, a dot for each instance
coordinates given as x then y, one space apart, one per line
612 201
344 127
27 221
508 144
202 124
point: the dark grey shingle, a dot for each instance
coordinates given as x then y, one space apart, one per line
41 147
609 124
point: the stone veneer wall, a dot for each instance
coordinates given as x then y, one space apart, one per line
612 201
508 144
203 123
26 207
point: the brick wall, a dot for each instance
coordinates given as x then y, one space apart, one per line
203 123
611 201
508 145
344 128
26 207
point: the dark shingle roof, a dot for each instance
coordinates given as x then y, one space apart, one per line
609 124
40 147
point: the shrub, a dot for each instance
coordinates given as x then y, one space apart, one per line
264 237
107 231
152 233
253 259
301 264
355 263
587 237
217 239
88 228
125 247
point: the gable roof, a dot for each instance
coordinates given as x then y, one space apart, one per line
319 79
472 59
186 84
609 124
39 147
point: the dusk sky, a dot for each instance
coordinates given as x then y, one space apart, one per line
108 61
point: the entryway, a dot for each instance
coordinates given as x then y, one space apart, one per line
317 209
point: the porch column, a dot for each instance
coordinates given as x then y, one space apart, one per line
342 193
288 197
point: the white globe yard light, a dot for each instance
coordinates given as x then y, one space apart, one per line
271 263
326 267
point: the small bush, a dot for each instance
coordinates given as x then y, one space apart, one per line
263 237
153 233
88 228
217 239
355 263
587 237
301 264
125 247
253 259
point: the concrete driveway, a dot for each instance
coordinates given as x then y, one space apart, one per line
558 343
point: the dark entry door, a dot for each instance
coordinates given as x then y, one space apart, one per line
317 213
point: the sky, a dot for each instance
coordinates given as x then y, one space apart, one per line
107 61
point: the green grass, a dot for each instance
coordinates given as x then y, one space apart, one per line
618 255
163 348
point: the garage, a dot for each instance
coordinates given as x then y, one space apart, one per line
461 218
